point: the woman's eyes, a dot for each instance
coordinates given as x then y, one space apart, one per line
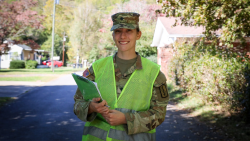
118 31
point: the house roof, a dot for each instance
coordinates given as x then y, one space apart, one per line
166 33
24 47
19 48
179 29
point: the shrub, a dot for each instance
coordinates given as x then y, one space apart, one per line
17 64
44 58
31 64
152 58
146 51
214 75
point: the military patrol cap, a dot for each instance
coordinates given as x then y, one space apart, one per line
128 20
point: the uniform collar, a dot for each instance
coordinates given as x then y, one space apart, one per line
138 63
136 66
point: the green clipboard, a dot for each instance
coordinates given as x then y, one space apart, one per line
87 87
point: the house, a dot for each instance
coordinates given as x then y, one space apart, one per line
20 52
165 35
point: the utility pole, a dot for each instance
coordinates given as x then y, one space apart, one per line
64 39
53 36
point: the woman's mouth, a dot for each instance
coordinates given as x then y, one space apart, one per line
123 42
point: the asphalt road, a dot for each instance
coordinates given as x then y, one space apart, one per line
46 113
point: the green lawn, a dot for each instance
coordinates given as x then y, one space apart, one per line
61 70
43 75
30 78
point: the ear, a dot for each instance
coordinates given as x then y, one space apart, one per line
138 36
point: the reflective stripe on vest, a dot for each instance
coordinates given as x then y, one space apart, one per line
138 91
99 130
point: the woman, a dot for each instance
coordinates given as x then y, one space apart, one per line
133 87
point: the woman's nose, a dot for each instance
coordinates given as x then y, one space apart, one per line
123 35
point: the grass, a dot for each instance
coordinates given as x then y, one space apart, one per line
45 74
4 100
215 116
30 78
35 74
61 70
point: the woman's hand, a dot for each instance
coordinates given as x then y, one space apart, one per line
116 118
94 106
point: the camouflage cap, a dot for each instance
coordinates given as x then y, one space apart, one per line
128 20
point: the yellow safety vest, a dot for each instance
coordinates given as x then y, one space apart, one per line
135 97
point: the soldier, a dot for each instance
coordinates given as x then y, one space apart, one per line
133 87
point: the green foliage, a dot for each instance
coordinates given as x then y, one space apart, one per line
229 16
212 74
103 5
146 51
94 55
143 44
44 58
31 64
84 34
152 58
63 16
17 64
57 45
88 26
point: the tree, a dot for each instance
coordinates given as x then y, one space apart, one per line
84 34
57 45
63 17
231 17
16 17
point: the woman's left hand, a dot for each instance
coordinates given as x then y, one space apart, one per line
116 118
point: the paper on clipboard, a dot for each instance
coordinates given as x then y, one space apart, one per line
88 88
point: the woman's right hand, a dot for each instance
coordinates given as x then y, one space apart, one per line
94 106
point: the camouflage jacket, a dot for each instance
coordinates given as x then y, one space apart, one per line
151 118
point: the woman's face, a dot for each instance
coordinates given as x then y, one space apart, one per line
125 39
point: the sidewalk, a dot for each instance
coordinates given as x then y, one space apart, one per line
16 88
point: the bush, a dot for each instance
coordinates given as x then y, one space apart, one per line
146 51
17 64
44 58
152 58
214 75
31 64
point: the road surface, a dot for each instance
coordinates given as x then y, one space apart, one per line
46 113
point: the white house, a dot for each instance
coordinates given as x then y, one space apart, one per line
19 52
165 34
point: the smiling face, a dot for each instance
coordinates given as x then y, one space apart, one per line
125 39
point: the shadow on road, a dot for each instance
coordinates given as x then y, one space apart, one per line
46 113
179 126
13 91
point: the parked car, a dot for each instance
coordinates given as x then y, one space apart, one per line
56 63
45 62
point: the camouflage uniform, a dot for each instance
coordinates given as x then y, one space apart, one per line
150 118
